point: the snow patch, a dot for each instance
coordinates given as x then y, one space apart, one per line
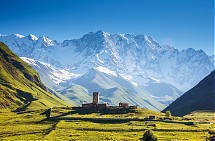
30 61
32 37
156 80
105 70
19 35
129 78
56 74
97 56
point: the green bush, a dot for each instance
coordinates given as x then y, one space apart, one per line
168 114
148 136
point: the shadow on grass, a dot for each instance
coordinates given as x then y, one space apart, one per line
100 112
83 111
26 97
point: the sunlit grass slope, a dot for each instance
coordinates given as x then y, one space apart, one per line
32 126
20 85
97 126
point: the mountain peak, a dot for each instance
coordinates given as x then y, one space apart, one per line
46 40
99 34
150 40
32 37
18 35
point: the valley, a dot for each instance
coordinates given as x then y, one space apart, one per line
30 112
107 70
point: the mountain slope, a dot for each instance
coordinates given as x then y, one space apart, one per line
200 97
162 92
50 76
20 85
77 93
60 80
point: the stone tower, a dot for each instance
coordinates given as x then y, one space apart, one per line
96 97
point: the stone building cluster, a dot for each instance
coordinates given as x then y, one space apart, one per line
96 105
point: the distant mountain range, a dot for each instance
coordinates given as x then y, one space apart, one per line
200 97
20 85
146 68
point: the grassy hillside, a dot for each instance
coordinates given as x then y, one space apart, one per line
20 85
200 97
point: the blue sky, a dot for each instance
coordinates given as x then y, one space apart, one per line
181 23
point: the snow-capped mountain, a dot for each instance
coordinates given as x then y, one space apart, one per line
50 76
80 87
137 58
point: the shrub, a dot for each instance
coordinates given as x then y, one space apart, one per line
148 136
168 114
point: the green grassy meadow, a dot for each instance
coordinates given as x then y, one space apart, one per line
72 124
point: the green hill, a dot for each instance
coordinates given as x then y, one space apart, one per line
200 97
76 93
20 85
